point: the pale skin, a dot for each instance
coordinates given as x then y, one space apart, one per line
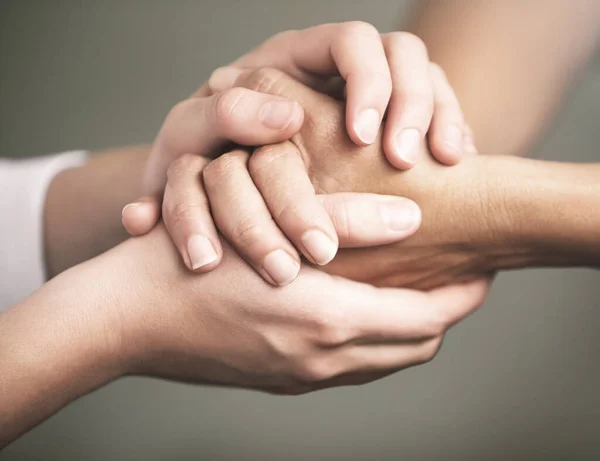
53 303
89 330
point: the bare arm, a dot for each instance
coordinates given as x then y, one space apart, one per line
510 62
82 214
546 213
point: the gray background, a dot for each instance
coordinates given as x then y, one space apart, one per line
518 380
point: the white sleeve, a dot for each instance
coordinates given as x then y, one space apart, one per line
23 186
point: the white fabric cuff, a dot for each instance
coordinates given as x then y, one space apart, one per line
23 187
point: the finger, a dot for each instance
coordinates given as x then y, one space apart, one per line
411 104
469 141
363 220
456 302
353 50
362 364
141 216
379 315
281 177
244 219
269 81
351 365
201 125
446 136
187 217
315 223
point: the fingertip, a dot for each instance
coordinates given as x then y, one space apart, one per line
447 145
401 216
392 152
363 128
279 268
296 120
320 248
402 148
139 218
201 254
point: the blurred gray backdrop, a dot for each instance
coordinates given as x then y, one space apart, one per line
519 380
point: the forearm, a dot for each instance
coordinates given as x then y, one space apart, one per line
54 348
82 216
510 63
546 213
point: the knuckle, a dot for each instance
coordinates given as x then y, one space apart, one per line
359 28
224 166
406 41
225 104
340 216
262 157
182 166
175 214
313 370
417 102
266 80
248 232
332 330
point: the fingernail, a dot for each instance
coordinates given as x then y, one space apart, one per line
453 138
407 145
320 247
276 115
367 125
200 251
281 267
223 78
129 205
401 215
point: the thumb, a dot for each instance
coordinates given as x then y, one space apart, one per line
369 219
141 216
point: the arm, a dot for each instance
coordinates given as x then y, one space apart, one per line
82 215
137 310
82 212
463 231
510 63
547 213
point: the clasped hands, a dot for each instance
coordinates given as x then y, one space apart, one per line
313 101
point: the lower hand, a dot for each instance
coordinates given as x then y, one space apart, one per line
228 327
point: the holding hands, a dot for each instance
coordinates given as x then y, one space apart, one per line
272 221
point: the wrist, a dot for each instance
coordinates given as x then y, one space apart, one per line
56 346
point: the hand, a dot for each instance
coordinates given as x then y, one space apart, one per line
301 217
382 75
314 223
203 125
249 226
454 242
230 328
136 310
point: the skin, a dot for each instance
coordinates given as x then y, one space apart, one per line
524 51
68 320
205 123
375 72
547 63
137 310
502 203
